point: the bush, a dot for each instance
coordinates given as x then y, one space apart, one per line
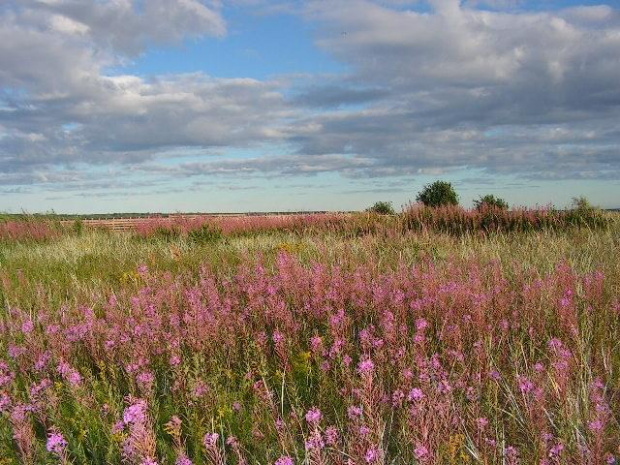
490 201
382 208
438 194
205 234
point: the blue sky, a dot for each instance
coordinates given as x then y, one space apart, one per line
251 105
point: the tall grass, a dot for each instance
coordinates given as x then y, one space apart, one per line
362 343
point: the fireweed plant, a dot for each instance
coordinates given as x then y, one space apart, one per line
312 347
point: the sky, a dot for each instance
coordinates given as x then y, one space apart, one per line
283 105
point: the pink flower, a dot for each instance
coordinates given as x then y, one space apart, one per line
210 440
315 441
420 452
354 412
421 324
331 435
365 367
285 460
135 413
314 416
27 326
525 385
371 455
596 425
416 394
183 460
56 443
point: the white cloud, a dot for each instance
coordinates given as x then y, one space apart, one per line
527 93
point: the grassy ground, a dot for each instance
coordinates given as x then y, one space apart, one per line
312 348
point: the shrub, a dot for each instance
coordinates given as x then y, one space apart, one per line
382 208
490 201
205 234
438 194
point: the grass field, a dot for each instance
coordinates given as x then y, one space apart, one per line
358 339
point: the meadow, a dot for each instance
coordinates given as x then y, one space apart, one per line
436 336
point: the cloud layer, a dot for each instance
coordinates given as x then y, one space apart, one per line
429 89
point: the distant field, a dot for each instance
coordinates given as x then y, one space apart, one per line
429 337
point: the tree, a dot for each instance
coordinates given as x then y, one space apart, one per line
383 208
438 194
582 204
490 201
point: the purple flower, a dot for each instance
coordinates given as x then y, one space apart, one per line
416 394
420 452
421 324
354 412
371 455
365 367
56 443
314 416
331 435
525 385
285 460
27 326
596 425
5 402
135 413
315 441
210 440
278 337
183 460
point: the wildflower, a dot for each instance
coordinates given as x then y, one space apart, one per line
278 337
365 367
556 450
525 385
416 394
331 435
118 427
397 398
285 460
56 443
200 389
70 374
421 324
232 441
371 455
135 413
482 422
5 402
315 343
596 425
27 326
183 460
420 452
146 380
354 412
149 461
210 440
315 441
314 416
364 431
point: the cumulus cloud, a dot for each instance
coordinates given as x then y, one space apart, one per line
60 108
503 90
474 88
